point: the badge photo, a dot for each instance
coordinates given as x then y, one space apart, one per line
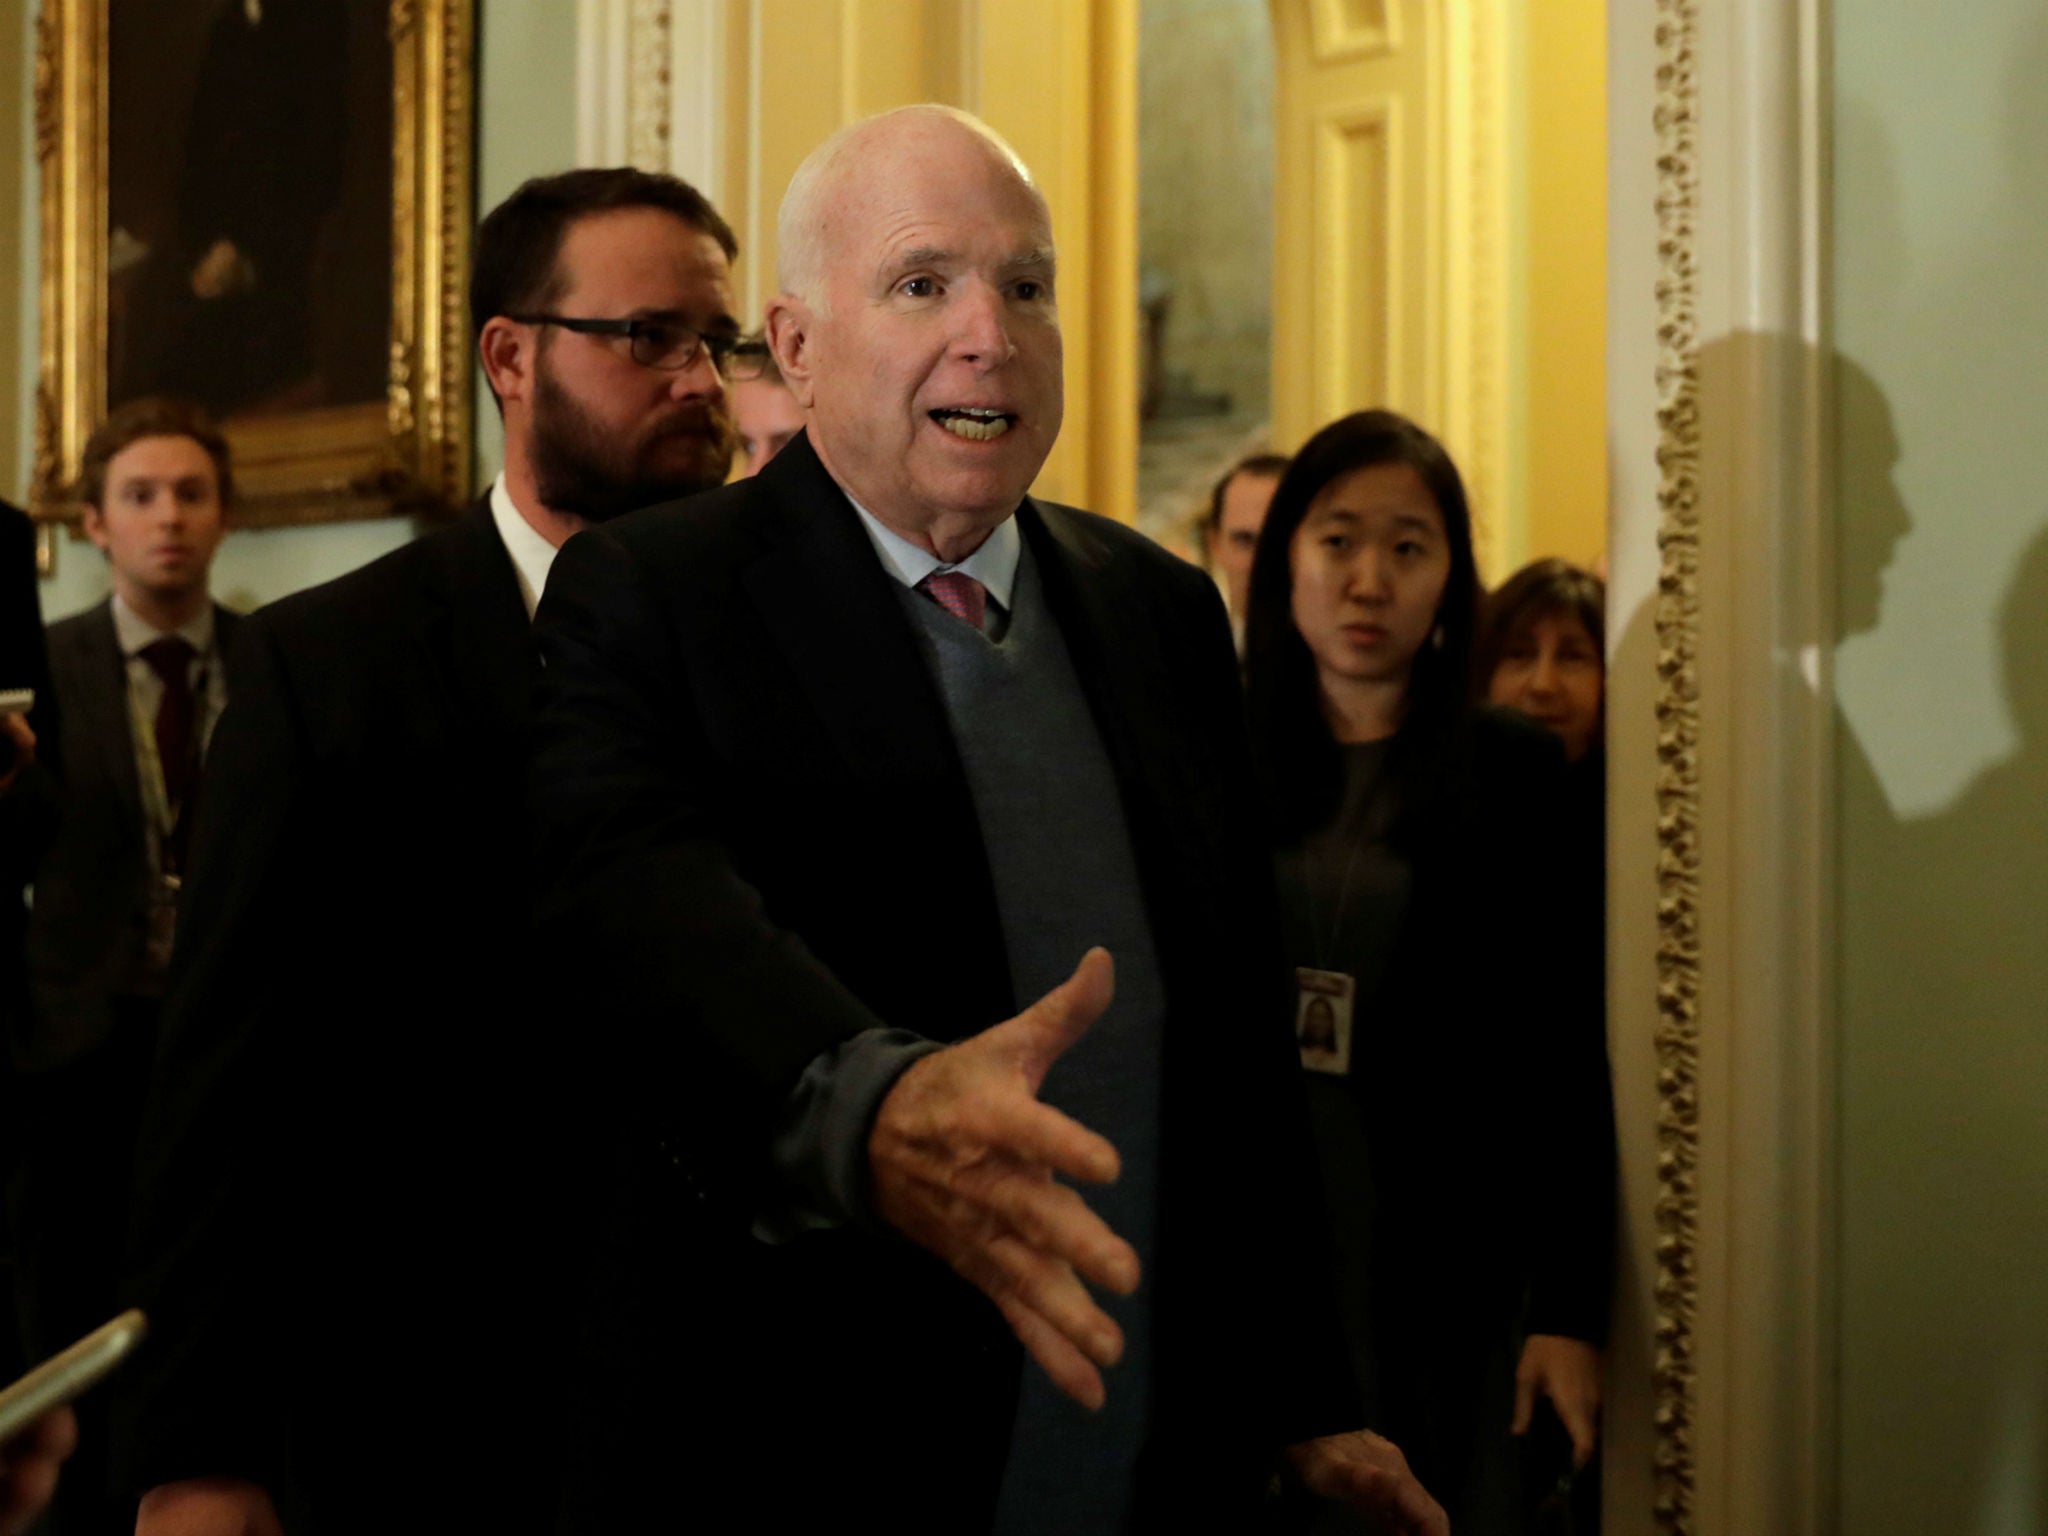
1322 1019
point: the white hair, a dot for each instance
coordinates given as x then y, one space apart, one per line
800 225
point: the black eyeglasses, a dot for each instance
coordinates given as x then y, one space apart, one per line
670 345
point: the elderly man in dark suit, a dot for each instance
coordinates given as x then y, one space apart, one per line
839 772
343 1238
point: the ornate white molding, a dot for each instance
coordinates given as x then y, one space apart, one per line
647 84
651 87
1723 1407
696 100
1678 763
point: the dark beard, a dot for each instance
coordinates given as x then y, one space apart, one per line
580 468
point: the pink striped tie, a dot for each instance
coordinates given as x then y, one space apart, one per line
959 594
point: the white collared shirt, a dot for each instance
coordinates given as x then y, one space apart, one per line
994 564
532 556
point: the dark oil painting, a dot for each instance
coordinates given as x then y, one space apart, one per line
249 203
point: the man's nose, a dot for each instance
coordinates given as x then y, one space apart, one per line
982 333
700 381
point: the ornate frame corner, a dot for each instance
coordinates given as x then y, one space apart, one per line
406 454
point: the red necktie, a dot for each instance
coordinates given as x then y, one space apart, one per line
958 593
171 660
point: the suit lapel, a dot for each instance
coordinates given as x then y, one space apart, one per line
225 624
833 610
1116 655
105 716
476 631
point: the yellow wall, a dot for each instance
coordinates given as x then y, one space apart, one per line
1560 222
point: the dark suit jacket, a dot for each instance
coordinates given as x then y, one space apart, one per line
27 808
1468 1156
26 817
329 1174
92 897
1490 1090
757 837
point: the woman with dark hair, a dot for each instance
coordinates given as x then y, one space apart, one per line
1463 1118
1541 651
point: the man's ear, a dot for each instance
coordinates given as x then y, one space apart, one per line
789 338
506 349
94 522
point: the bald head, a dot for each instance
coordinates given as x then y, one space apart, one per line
813 214
917 325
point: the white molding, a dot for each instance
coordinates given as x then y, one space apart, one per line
1739 1278
1764 401
603 75
696 129
650 87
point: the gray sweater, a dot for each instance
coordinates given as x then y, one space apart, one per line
1059 850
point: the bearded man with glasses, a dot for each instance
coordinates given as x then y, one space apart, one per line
345 1238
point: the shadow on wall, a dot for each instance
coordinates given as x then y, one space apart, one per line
1944 1000
1944 896
1943 1031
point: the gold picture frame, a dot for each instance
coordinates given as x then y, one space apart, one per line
398 442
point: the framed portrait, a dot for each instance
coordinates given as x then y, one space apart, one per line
263 206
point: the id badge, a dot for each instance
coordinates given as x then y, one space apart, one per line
1322 1019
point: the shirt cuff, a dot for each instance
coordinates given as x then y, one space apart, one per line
820 1147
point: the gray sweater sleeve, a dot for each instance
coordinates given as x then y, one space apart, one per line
820 1147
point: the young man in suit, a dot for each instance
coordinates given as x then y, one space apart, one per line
343 1237
140 681
839 772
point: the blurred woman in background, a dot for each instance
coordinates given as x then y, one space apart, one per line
1461 1101
1542 651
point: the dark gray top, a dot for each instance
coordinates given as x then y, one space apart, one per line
1344 894
1344 889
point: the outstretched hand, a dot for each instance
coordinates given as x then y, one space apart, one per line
963 1157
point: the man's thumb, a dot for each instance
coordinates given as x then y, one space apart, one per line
1063 1015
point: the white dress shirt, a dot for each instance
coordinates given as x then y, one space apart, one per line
994 564
146 690
532 556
